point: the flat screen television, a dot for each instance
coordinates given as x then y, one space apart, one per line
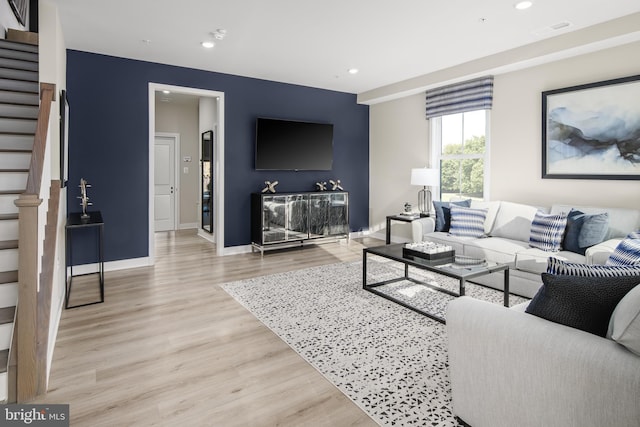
293 145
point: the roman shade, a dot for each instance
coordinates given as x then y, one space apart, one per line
476 94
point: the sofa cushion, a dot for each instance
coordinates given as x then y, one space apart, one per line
585 303
535 260
492 212
467 222
627 252
495 249
513 221
457 243
547 231
584 231
443 213
624 326
558 266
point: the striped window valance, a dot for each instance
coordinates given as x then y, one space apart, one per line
476 94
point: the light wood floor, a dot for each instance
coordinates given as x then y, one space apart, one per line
170 347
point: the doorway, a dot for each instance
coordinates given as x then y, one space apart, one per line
218 166
166 180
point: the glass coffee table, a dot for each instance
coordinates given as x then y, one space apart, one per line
443 267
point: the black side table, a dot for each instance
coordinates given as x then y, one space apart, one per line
401 218
74 222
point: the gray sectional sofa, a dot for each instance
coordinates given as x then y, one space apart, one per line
507 227
510 368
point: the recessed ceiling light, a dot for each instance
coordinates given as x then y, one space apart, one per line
166 92
353 71
208 45
523 5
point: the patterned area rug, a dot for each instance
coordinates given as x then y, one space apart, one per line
389 360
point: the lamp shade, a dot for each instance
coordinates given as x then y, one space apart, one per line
425 177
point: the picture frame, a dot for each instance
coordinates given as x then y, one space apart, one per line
64 138
592 131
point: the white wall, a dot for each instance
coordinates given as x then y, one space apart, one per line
516 134
182 118
400 140
53 69
399 134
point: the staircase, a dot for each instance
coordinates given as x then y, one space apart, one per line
19 103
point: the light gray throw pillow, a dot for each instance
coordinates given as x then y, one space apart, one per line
624 326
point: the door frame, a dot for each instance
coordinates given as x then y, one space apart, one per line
218 223
176 175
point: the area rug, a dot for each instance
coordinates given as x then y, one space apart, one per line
389 360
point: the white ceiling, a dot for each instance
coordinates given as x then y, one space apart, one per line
314 43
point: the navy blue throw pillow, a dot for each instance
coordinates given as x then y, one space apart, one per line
443 213
584 303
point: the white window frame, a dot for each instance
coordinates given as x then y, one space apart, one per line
436 153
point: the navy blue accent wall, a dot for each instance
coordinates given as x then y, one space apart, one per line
109 143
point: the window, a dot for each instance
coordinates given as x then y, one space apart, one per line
460 147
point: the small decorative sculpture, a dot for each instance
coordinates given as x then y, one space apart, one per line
335 185
270 186
322 186
407 207
84 198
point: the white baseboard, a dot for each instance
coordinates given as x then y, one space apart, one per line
235 250
122 264
188 226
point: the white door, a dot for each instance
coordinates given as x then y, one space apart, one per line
164 180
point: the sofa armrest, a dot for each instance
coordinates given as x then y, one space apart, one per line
422 226
510 368
598 254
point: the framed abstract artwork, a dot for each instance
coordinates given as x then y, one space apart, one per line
592 131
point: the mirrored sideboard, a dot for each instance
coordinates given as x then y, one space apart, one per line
286 218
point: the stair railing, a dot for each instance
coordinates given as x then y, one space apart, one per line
31 322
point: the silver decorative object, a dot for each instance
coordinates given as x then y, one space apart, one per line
335 185
270 186
322 186
84 198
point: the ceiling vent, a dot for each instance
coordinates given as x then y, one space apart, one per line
552 28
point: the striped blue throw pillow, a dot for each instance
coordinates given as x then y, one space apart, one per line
467 222
627 252
558 266
547 231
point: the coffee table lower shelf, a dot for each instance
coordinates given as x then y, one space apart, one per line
394 252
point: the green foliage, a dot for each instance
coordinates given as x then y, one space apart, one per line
463 176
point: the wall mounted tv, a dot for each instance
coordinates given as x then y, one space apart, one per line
293 145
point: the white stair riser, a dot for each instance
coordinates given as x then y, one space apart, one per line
8 229
16 142
15 160
8 294
7 205
13 181
5 335
4 387
23 111
18 126
8 260
19 97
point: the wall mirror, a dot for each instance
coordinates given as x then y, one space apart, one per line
206 201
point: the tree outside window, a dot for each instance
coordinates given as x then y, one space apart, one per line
462 154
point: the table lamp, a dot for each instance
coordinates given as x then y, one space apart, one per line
426 178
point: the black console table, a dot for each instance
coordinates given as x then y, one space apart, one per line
75 222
